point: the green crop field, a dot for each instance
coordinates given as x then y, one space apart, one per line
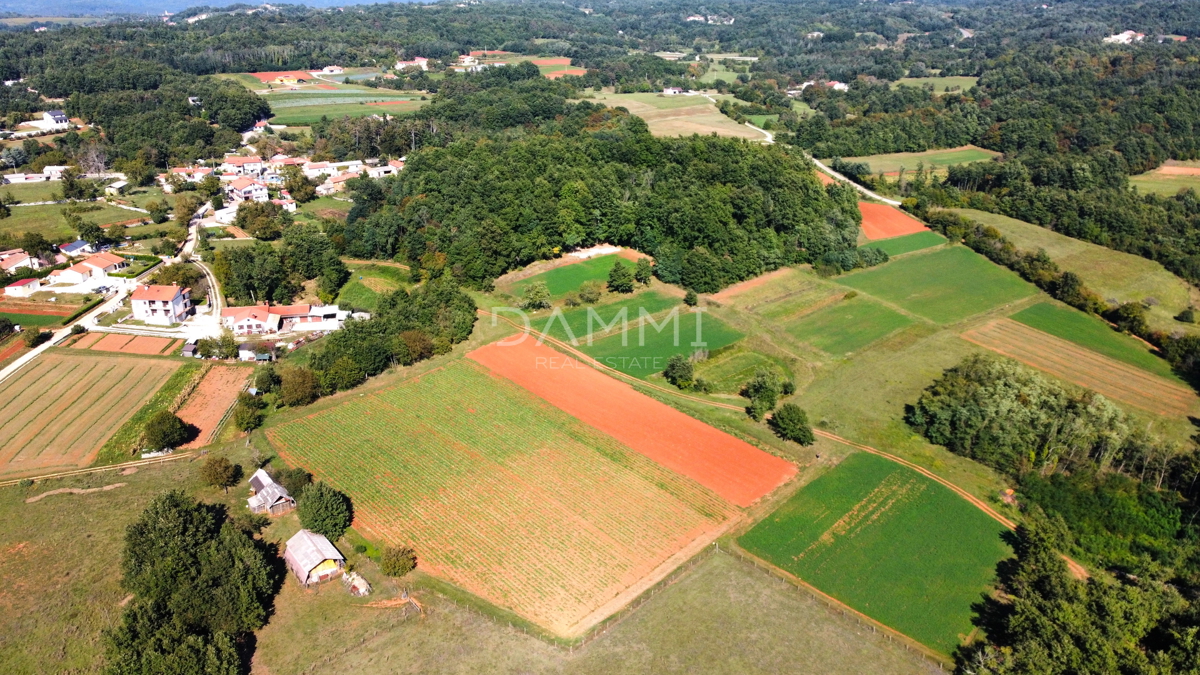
311 114
940 84
1115 276
1088 331
47 220
451 461
890 543
39 320
645 354
369 282
568 278
932 159
908 243
944 286
729 371
758 120
1164 184
847 326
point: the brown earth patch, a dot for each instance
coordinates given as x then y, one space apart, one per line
881 221
213 397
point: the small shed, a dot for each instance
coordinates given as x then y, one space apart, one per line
116 189
191 351
267 496
312 558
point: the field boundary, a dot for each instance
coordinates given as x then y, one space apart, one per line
97 469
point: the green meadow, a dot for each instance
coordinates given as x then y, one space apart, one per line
1088 331
908 243
847 326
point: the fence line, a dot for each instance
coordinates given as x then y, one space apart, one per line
97 469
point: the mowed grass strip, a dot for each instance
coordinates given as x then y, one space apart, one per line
501 493
847 326
563 280
908 243
646 347
931 159
890 543
944 286
368 283
1088 331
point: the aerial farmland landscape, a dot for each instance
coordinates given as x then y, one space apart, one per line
773 336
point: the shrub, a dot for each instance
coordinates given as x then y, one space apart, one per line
680 372
266 379
791 423
537 296
642 271
78 329
620 279
1186 316
590 291
26 482
324 510
690 299
34 337
165 430
220 472
396 561
246 418
6 326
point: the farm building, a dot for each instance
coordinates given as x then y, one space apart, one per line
116 189
268 496
312 558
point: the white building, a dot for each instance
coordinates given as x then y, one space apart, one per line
54 120
242 166
329 70
258 319
417 62
161 305
23 288
247 190
16 259
98 266
1124 38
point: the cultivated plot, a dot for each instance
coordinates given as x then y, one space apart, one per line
734 469
847 326
890 543
730 370
880 221
908 243
57 412
943 286
646 346
1168 180
503 494
1114 379
1093 333
212 398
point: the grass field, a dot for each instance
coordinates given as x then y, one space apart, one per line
890 543
311 114
1164 183
908 243
730 370
59 411
1091 332
324 207
679 115
932 159
32 192
501 493
944 286
568 278
940 84
367 283
647 348
1116 276
47 220
39 320
847 326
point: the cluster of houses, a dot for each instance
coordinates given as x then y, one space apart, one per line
49 173
94 269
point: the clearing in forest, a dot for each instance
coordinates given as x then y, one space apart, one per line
505 495
59 410
889 542
1114 379
932 159
944 286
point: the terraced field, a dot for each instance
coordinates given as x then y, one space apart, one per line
57 412
503 494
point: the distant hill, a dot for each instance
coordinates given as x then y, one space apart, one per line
52 8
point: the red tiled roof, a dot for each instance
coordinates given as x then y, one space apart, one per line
236 161
23 282
243 183
103 260
156 292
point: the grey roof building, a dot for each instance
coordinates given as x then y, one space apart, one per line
312 558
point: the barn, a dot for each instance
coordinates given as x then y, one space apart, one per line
312 558
267 496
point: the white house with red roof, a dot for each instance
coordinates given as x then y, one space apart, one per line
97 266
247 190
417 62
17 258
23 288
258 319
161 305
242 166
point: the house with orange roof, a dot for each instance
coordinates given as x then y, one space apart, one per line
258 319
16 259
161 305
246 190
252 165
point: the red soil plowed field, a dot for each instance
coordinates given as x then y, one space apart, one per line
10 349
36 308
326 86
881 221
825 178
505 495
212 399
730 467
1114 379
146 345
87 341
112 342
564 61
268 77
58 411
563 73
237 232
